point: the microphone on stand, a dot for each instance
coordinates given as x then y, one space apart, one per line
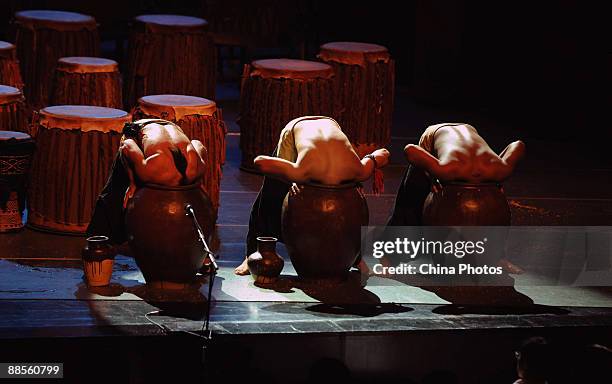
211 256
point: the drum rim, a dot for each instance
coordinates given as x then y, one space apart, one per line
260 64
160 187
9 94
376 48
350 185
6 46
96 64
22 137
36 15
47 111
196 22
146 100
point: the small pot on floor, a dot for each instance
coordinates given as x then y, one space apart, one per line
98 259
265 264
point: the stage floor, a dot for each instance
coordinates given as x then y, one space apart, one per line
42 291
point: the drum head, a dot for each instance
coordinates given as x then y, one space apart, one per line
172 20
9 94
55 19
13 136
290 68
84 118
353 53
4 45
87 65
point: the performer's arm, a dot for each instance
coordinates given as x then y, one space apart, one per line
381 159
422 159
281 168
131 155
196 160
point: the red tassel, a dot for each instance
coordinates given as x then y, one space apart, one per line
378 185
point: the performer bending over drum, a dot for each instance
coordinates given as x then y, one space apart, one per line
310 149
153 151
449 152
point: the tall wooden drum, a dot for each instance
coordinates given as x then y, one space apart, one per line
76 146
170 54
13 112
364 86
42 37
15 152
87 81
273 93
200 119
9 66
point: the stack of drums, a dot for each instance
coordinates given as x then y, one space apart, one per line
15 151
170 54
364 87
42 37
13 112
9 66
76 146
273 93
87 81
200 119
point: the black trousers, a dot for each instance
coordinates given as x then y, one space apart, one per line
108 218
265 219
408 209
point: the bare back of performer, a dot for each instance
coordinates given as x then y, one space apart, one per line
314 149
161 154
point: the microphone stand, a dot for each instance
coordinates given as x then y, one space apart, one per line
189 211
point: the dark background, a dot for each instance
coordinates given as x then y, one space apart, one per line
542 66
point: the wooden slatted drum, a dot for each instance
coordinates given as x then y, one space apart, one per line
76 146
170 54
42 37
364 87
15 153
9 66
13 112
274 92
87 81
200 119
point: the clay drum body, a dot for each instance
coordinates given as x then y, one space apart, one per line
321 228
466 204
163 238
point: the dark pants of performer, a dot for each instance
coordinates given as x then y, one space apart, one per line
265 217
408 209
108 218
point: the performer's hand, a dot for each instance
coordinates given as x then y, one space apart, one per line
295 190
129 193
382 157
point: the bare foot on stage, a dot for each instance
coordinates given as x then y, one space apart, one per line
364 272
242 269
510 267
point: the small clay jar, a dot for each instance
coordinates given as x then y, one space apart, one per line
98 259
265 264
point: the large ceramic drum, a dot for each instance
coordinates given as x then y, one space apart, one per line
76 146
321 228
163 237
465 204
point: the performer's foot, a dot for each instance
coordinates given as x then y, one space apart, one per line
242 269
